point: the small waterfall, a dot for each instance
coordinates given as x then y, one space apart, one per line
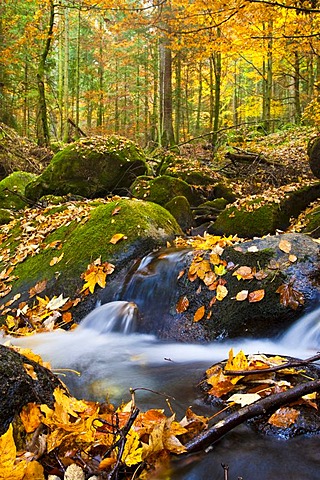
304 334
116 316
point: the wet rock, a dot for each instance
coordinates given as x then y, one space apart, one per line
19 386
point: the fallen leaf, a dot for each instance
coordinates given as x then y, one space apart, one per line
243 273
292 258
221 292
284 417
117 237
30 371
256 296
285 246
244 399
56 260
199 314
9 470
289 296
57 302
31 417
38 288
116 211
243 295
253 249
182 305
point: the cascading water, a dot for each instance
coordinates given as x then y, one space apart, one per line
112 357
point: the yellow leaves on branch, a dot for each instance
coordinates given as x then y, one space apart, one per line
96 274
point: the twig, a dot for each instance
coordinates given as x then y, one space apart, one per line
268 404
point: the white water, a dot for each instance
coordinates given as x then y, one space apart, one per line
111 359
104 349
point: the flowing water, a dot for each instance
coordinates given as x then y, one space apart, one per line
111 357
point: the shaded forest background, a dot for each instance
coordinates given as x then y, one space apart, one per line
159 72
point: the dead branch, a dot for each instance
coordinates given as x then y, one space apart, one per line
276 368
268 404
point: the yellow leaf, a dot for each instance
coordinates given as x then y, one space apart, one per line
182 305
31 417
117 237
34 471
94 278
221 292
199 314
30 371
9 470
56 260
132 450
292 258
106 463
220 270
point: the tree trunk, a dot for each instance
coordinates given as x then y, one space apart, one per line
43 127
297 104
167 134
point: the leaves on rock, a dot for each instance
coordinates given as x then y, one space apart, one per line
289 297
256 296
199 314
284 417
96 274
182 305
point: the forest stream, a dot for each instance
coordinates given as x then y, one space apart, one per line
111 356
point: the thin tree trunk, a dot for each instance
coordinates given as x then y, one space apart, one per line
43 130
217 63
65 125
199 99
167 134
178 98
297 103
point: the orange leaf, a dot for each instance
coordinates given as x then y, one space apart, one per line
243 273
256 296
199 314
182 305
56 260
67 317
31 417
116 211
284 417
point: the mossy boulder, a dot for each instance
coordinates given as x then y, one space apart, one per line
162 189
179 207
5 216
91 167
78 233
314 156
12 190
262 215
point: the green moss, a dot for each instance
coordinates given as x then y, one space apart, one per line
12 190
91 167
5 216
163 189
179 207
84 243
252 220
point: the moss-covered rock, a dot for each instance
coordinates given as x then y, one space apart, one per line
5 216
261 215
91 167
12 190
179 207
314 156
163 189
79 233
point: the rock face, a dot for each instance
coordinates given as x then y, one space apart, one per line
227 317
91 167
18 387
314 156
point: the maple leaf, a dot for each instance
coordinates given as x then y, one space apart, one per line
96 275
57 302
9 469
289 296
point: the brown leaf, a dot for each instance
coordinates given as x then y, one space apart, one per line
284 417
116 211
182 305
243 273
289 296
199 314
38 288
256 296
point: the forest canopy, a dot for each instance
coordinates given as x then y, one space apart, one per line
158 72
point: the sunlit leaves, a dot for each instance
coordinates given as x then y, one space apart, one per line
221 292
182 305
117 237
199 314
284 417
256 296
96 274
9 468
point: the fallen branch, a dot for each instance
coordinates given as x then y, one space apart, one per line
276 368
268 404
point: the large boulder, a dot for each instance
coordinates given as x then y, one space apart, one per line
23 381
208 299
55 245
12 190
91 167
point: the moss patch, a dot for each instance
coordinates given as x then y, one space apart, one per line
12 190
